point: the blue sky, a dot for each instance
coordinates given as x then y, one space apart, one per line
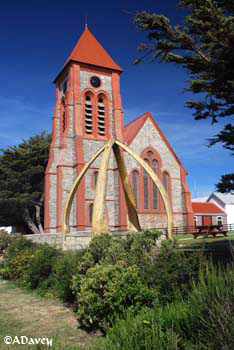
36 39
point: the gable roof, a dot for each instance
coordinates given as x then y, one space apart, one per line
226 198
88 50
132 129
206 208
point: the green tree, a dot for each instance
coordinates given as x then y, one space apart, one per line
204 47
22 171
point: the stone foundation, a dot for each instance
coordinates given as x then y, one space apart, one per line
74 241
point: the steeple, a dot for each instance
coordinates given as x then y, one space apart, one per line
89 51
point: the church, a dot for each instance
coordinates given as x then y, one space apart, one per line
88 112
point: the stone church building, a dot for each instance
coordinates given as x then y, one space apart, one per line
88 112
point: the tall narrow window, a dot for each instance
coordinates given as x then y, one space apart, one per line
146 188
64 121
135 177
88 115
155 190
95 175
90 213
166 181
101 117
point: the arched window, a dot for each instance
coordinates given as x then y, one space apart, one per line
90 213
64 121
95 177
155 190
146 187
88 115
135 180
101 116
166 181
151 199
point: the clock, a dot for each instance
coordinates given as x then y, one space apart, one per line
95 82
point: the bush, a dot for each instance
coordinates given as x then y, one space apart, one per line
5 240
107 291
203 321
39 271
172 270
17 258
29 263
64 268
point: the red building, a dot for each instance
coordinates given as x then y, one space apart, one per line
88 111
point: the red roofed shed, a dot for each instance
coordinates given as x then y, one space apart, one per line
208 214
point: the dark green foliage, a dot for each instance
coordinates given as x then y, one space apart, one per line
135 249
226 185
203 321
64 268
107 262
108 291
39 272
172 270
22 171
203 46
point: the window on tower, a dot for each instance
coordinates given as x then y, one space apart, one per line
64 121
101 116
88 115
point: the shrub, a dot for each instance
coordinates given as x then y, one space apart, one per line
142 332
17 244
5 240
39 271
107 291
64 268
172 270
29 263
17 258
203 321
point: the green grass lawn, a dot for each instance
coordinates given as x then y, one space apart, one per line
22 313
188 238
220 249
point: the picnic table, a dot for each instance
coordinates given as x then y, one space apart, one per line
206 230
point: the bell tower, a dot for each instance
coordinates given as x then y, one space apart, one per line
88 112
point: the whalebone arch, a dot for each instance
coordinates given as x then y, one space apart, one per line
99 224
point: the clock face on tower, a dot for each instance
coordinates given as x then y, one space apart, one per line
95 82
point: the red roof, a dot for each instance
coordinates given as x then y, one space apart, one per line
132 129
89 50
206 208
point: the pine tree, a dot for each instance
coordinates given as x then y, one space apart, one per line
204 47
22 171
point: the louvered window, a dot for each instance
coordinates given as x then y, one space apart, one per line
155 190
135 177
88 115
101 117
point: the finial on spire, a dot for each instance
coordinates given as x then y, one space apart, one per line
86 21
